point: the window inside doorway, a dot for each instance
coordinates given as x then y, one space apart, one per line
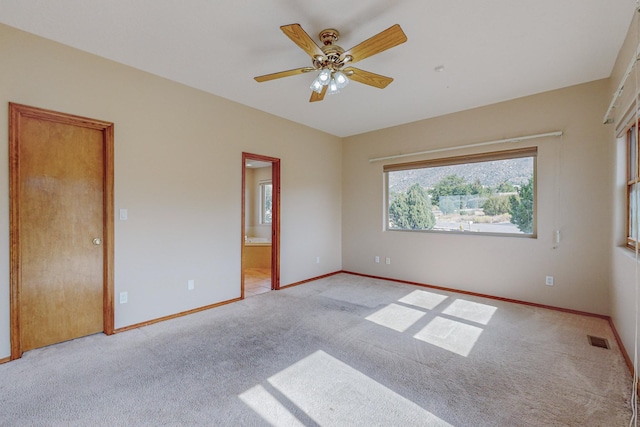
266 191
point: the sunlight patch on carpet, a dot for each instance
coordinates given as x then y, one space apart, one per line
472 311
268 407
423 299
450 335
330 392
396 317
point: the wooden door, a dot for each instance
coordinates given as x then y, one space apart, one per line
61 200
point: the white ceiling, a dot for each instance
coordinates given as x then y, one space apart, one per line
492 50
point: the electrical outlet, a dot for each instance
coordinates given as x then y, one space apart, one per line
317 260
191 284
549 281
388 261
377 259
124 297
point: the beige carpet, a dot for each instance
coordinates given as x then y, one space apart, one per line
341 351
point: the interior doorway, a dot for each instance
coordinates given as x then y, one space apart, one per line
260 253
61 227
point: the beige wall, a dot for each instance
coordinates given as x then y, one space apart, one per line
574 181
178 172
623 278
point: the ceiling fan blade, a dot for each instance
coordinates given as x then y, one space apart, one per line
281 74
302 39
315 96
367 77
387 39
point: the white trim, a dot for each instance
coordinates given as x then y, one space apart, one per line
499 141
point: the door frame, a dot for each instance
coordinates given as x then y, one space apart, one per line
275 218
16 113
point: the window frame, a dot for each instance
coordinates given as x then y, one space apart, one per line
632 178
531 151
262 185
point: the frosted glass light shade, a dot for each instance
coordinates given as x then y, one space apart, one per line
324 76
340 79
316 86
333 87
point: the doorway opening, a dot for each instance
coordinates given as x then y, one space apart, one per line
260 243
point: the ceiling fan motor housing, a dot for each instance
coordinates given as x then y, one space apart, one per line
332 52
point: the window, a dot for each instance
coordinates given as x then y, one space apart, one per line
633 189
490 193
266 189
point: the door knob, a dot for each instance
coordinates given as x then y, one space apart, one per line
97 241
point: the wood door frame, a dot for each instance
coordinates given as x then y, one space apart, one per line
275 218
16 112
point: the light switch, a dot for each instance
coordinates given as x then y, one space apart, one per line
123 214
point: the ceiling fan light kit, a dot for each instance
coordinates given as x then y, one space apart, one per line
336 80
330 60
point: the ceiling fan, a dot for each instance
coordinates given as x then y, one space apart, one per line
333 62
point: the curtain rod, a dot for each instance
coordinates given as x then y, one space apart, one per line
499 141
618 92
